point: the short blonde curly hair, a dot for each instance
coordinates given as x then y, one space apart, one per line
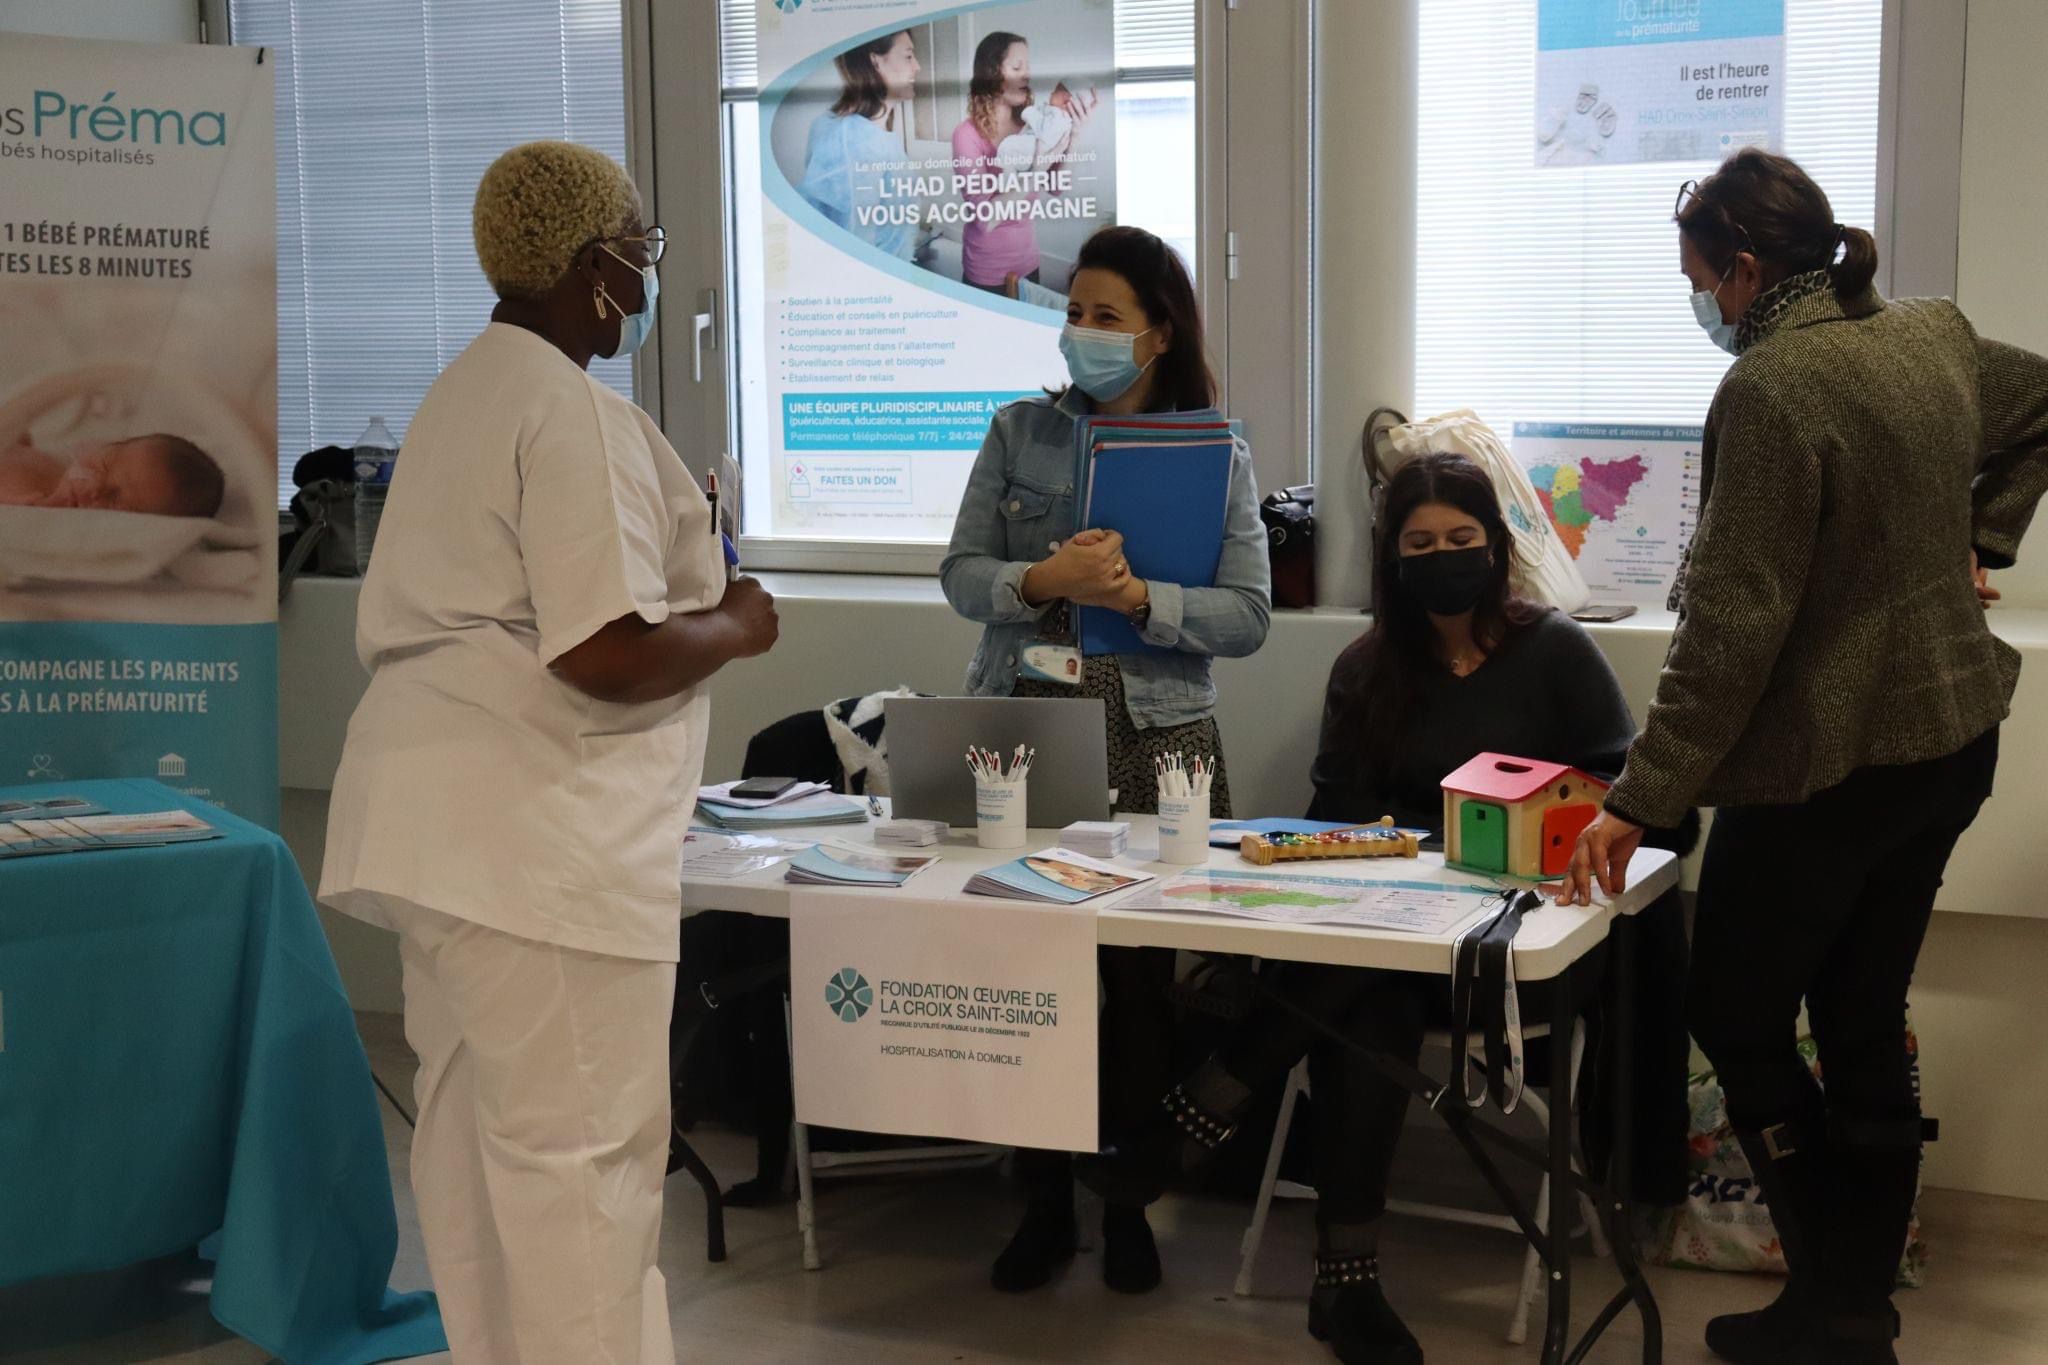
538 205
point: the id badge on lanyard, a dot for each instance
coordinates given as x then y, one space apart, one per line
1043 661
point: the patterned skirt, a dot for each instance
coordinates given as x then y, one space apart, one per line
1131 750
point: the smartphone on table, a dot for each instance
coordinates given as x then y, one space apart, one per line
763 788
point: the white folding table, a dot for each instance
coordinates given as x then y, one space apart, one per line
1551 944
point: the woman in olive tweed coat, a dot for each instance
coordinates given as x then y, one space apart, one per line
1834 691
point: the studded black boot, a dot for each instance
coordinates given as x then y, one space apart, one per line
1348 1309
1183 1137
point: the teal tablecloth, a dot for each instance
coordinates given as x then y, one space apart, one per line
177 1059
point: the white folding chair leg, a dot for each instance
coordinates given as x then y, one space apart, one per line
1297 1083
1532 1273
806 1203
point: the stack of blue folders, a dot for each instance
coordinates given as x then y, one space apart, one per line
821 808
1162 481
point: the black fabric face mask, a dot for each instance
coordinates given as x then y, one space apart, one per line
1448 582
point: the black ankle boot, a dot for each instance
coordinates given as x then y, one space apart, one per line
1349 1310
1043 1242
1130 1258
1787 1160
1182 1138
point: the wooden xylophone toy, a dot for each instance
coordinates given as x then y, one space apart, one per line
1382 840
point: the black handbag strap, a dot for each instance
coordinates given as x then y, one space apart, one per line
318 529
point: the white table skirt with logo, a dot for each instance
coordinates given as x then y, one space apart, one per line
967 946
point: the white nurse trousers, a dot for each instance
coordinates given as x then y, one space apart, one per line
538 1162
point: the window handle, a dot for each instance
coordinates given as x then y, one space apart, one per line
703 324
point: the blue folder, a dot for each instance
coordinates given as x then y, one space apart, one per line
1169 502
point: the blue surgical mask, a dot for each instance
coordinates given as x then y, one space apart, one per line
1103 365
634 328
1706 310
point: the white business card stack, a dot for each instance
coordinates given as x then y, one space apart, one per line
910 833
1098 838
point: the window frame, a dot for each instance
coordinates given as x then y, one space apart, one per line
689 136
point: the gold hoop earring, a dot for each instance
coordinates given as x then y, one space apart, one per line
597 297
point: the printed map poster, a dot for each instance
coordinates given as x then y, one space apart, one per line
138 417
1623 499
929 170
1636 81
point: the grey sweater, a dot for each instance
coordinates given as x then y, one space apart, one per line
1854 455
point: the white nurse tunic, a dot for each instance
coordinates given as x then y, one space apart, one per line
523 839
531 506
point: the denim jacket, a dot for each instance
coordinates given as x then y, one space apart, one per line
1020 503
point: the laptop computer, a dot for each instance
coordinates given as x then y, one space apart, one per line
929 737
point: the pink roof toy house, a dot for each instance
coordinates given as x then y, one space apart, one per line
1518 816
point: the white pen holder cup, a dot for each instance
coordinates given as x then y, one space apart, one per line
999 814
1184 829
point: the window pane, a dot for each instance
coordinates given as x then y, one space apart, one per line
1553 294
387 114
788 352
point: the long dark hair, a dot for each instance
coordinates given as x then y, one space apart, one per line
862 91
1388 665
1766 205
1165 290
985 85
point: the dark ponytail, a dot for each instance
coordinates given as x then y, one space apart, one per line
1857 266
1766 205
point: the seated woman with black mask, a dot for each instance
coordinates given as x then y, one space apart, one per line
1454 665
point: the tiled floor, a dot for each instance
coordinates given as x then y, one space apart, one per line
906 1262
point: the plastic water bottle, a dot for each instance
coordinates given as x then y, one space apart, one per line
376 458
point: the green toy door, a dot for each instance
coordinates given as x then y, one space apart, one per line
1483 836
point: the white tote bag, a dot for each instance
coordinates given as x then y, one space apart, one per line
1542 569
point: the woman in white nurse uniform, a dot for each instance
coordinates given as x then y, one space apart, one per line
547 600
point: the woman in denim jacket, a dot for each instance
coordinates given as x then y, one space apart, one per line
1018 564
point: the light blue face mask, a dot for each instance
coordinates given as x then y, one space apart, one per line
1102 364
1706 310
634 328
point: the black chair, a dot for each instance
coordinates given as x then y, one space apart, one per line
725 1009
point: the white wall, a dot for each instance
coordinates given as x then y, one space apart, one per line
137 21
2001 278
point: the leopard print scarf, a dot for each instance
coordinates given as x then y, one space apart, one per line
1770 307
1761 319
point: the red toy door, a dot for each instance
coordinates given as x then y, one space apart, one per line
1561 827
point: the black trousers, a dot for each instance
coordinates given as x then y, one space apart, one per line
1137 1032
1826 902
1356 1112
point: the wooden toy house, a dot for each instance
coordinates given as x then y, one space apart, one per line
1517 816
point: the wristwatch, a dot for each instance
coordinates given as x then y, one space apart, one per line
1140 616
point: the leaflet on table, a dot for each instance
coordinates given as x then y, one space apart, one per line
1657 80
48 808
846 865
722 794
1624 500
912 257
90 832
1415 907
1058 876
728 856
819 808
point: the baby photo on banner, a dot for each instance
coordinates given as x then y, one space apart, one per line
138 417
929 171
